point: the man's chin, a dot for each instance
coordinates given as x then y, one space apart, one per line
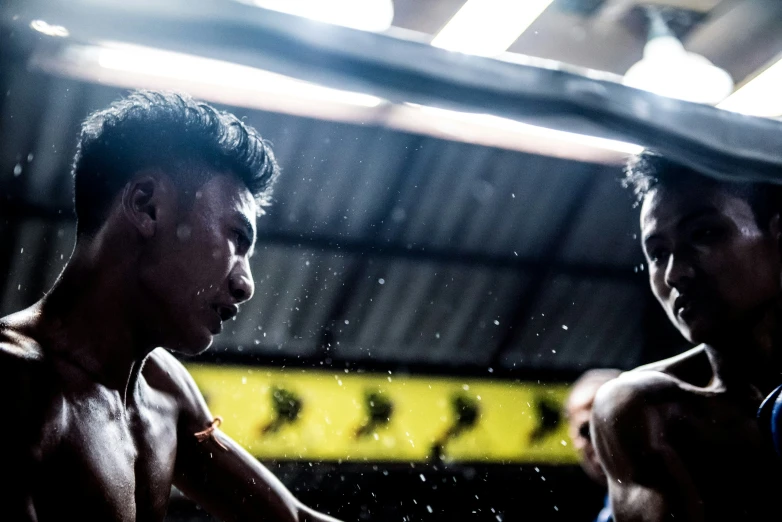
699 333
193 346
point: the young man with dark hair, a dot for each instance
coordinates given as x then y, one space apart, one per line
100 421
679 439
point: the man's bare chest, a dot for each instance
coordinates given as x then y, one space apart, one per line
718 440
101 457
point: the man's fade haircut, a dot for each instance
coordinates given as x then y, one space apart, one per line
169 131
649 169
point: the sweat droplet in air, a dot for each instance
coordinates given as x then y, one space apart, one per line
17 169
183 232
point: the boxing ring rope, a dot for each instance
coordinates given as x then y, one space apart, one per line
716 142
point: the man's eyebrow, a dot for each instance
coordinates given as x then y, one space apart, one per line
686 220
250 229
697 214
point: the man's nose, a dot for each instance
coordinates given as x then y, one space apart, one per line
679 271
241 283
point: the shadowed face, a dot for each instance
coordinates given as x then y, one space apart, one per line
711 267
195 270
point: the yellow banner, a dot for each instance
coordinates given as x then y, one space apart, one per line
319 415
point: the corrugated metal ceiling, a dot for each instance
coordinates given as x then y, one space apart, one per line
380 246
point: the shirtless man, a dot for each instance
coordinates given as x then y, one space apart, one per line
100 422
678 439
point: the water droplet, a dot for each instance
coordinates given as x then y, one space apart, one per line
381 281
423 479
496 322
17 169
183 232
564 327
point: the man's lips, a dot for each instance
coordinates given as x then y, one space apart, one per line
684 306
216 323
222 313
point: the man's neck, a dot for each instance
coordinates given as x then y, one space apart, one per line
88 322
751 355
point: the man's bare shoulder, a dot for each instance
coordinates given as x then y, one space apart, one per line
19 350
23 369
165 373
653 385
688 366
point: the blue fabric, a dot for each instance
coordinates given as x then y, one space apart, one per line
605 514
770 418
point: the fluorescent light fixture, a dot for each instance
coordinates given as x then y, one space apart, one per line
49 29
488 27
194 69
132 66
366 15
519 130
760 96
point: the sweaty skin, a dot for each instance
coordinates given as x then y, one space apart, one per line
99 421
678 439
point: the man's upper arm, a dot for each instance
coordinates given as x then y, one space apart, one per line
646 480
18 463
217 472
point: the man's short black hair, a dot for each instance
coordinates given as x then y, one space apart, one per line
648 170
169 131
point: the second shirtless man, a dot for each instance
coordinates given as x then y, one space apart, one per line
678 438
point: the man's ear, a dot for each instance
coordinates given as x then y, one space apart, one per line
143 201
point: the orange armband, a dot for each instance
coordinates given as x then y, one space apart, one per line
209 432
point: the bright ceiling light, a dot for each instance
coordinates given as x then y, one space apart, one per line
519 130
49 29
669 70
760 96
366 15
488 27
194 69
